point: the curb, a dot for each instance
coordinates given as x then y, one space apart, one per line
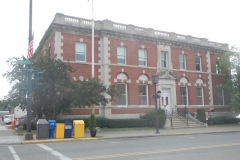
55 140
11 143
120 137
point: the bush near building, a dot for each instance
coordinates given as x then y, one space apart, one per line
223 120
147 120
201 116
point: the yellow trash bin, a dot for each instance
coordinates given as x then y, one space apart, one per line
59 131
78 128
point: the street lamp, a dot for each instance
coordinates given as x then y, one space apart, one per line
155 78
211 113
185 102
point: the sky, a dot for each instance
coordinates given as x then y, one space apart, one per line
216 20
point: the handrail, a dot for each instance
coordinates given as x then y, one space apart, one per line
181 115
169 116
194 119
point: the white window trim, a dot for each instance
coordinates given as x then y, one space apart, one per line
218 67
145 56
79 54
146 96
202 97
125 55
124 106
167 59
200 63
185 64
186 95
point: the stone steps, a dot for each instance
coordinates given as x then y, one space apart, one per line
182 122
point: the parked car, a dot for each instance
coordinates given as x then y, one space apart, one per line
7 118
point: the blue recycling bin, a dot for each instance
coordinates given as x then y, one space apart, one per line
68 129
52 126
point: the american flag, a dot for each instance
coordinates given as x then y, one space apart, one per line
30 49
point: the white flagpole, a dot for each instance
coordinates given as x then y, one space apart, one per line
92 42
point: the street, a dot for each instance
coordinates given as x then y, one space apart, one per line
220 146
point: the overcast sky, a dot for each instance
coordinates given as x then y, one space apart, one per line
216 20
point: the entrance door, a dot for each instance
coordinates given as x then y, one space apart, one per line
165 100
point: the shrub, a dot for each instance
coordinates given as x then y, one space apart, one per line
127 123
102 122
33 126
92 122
223 120
150 117
201 116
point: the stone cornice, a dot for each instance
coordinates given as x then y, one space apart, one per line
106 27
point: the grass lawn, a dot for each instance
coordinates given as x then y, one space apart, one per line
21 132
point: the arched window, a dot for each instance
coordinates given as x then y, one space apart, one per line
199 92
183 80
184 91
122 87
143 90
218 67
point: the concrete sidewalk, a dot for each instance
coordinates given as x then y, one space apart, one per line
7 136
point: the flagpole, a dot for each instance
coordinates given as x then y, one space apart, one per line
92 41
29 135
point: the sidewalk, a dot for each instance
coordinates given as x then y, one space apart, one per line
7 136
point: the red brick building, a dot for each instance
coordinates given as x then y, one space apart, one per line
189 68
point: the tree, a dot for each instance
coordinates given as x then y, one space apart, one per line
52 96
4 105
232 83
92 92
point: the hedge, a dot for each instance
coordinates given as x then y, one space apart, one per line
147 120
201 116
223 120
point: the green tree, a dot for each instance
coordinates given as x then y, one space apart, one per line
232 83
4 105
201 116
17 77
92 92
50 98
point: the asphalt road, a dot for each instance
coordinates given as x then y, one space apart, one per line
220 146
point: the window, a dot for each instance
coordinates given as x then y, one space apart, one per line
143 94
199 93
122 99
80 49
121 55
182 61
164 59
184 95
142 57
220 93
218 67
198 62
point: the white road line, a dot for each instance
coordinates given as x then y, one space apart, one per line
15 156
55 153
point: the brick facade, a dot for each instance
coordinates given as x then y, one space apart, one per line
65 31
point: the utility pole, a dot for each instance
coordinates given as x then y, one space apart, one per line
29 135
